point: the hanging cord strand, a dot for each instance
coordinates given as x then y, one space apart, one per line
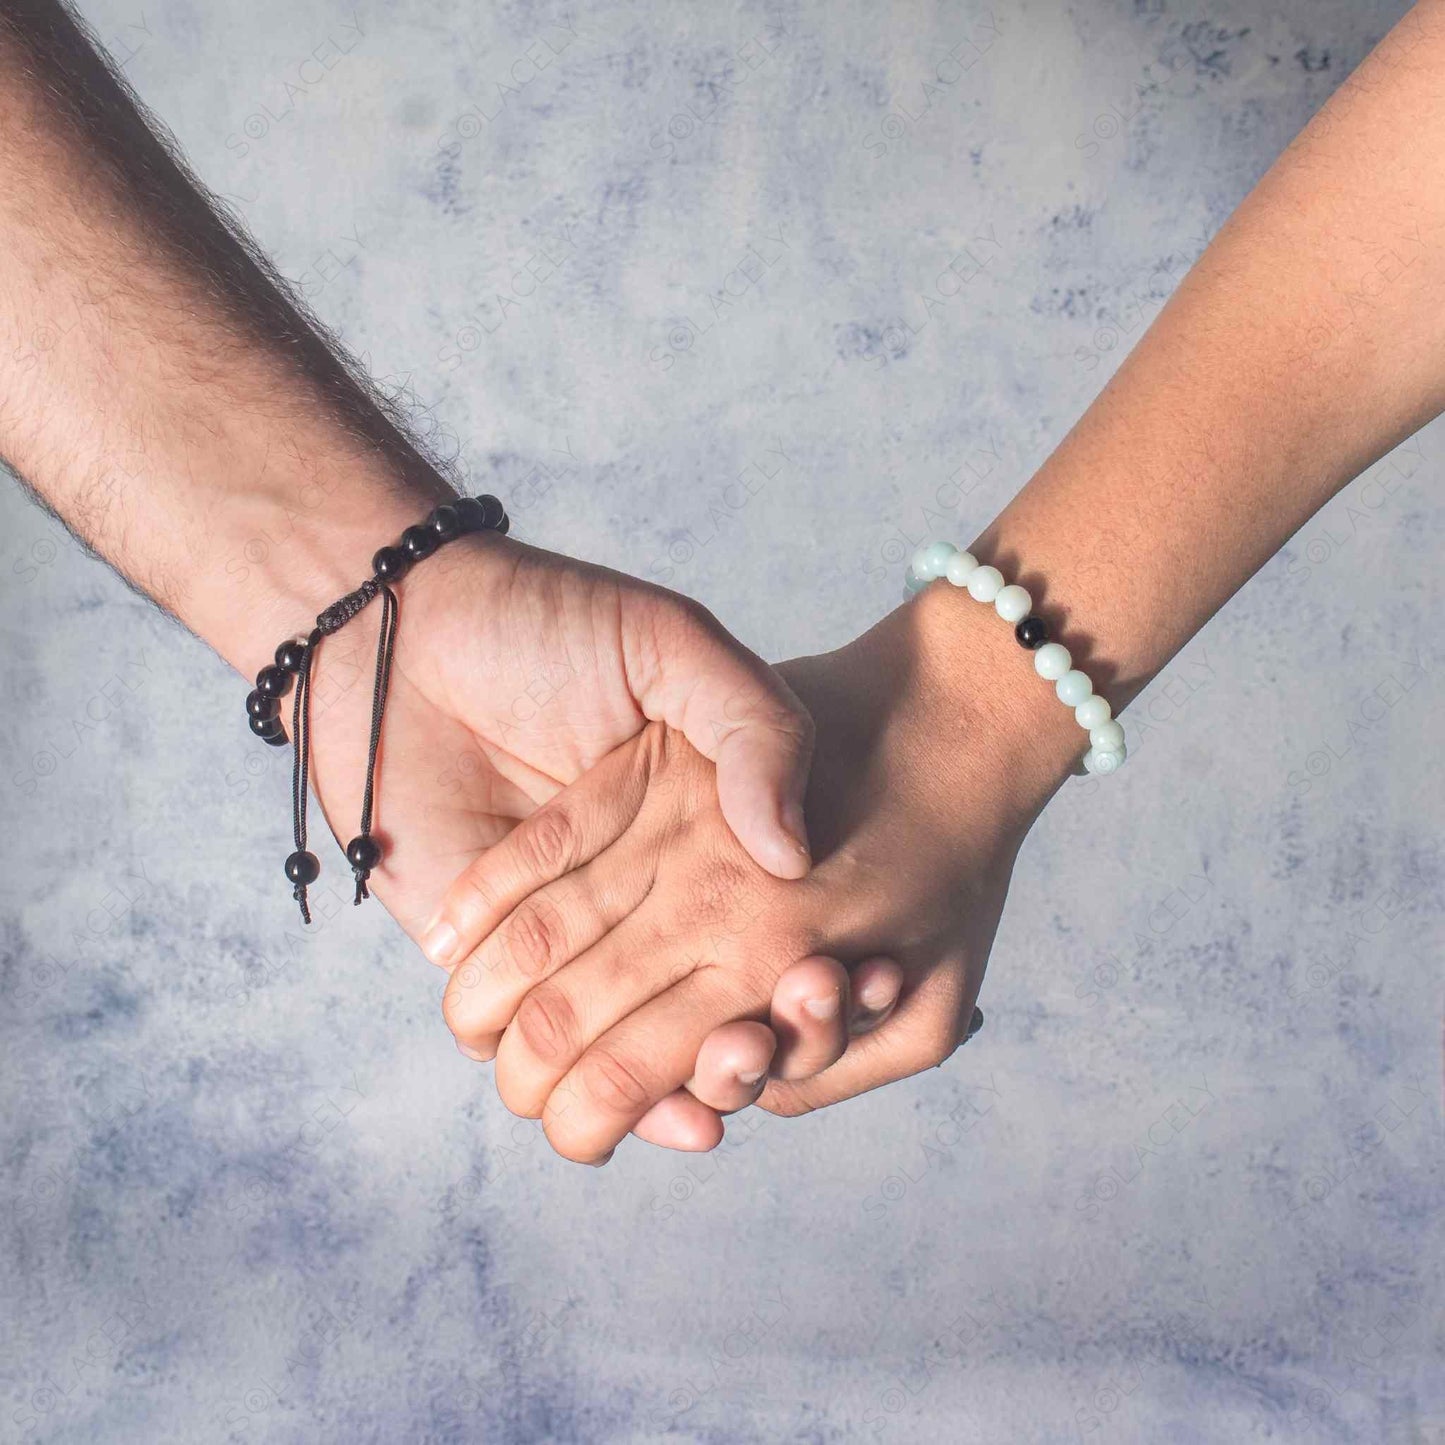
301 761
296 658
385 651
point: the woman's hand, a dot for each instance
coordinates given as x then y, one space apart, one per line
620 924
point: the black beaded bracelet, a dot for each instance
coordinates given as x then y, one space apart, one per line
296 656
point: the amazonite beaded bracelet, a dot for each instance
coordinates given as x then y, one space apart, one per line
1051 659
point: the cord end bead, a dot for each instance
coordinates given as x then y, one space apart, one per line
363 853
302 868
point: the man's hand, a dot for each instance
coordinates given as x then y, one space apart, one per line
204 436
516 670
937 746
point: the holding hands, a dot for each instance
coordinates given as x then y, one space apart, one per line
594 950
634 932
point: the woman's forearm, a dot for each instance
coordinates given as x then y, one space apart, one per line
1307 341
157 387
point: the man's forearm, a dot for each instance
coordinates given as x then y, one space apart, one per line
1308 340
157 386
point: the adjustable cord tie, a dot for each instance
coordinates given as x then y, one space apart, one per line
341 612
296 660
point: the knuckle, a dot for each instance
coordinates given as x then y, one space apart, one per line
546 843
547 1024
619 1084
573 1148
693 618
794 723
515 1093
463 1003
531 938
785 1101
560 1102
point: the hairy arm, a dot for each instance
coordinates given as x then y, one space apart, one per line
164 394
159 387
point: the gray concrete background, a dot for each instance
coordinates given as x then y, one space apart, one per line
1186 1187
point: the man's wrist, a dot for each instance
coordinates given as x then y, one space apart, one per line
294 544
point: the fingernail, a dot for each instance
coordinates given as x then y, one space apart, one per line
598 1163
876 995
822 1008
796 828
751 1077
439 943
475 1054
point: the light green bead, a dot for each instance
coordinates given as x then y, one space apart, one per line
985 583
1052 661
1107 737
1102 762
930 560
961 566
1093 712
1013 603
1073 687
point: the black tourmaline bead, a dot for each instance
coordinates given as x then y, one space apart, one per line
279 739
303 868
363 852
290 654
492 512
419 542
504 526
472 513
1032 633
390 564
267 727
261 705
273 681
444 522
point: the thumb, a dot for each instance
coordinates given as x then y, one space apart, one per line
737 711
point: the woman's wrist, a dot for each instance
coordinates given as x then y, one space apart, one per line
985 703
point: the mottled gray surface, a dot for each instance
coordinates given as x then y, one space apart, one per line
1185 1188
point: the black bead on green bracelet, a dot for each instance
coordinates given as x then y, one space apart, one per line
1032 633
293 664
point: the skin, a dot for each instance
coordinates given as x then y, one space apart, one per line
163 395
1305 344
604 982
188 414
